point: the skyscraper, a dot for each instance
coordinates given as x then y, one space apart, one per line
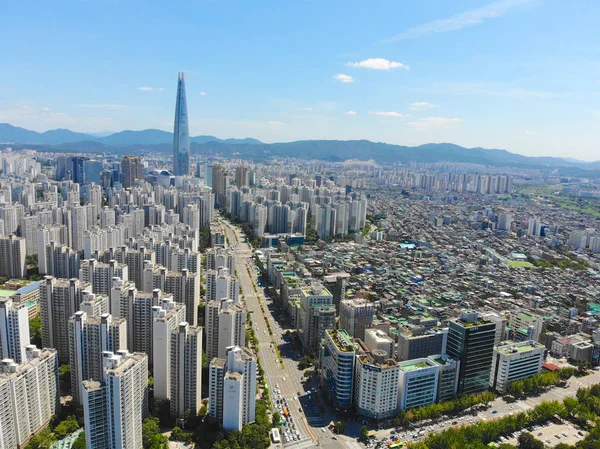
131 169
181 134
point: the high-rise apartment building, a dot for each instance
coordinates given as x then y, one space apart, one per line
225 326
62 262
165 322
100 275
12 257
220 284
186 370
220 258
181 134
184 285
241 176
312 300
89 337
515 361
14 330
131 169
232 388
115 406
471 342
356 315
29 395
59 300
46 235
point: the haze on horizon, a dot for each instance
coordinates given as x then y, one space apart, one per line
522 75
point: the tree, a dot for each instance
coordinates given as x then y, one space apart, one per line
364 434
528 441
43 440
276 419
79 443
66 427
151 436
339 427
35 331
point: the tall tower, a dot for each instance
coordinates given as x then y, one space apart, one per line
181 134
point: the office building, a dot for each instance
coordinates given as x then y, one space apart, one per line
356 315
448 376
14 330
310 300
131 169
377 340
515 361
232 388
89 337
471 342
181 135
12 257
220 184
525 323
337 359
165 322
376 385
186 370
418 383
419 342
59 300
225 326
29 396
114 407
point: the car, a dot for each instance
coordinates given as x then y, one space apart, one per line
557 436
494 412
539 434
564 435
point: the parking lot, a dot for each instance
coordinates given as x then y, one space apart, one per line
551 434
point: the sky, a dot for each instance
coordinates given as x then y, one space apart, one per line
521 75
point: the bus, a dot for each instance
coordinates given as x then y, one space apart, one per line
395 445
275 436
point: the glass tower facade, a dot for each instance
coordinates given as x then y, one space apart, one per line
181 134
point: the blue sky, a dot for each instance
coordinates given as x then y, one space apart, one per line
523 75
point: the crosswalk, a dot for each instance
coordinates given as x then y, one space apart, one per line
304 443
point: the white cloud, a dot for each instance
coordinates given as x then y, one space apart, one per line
532 133
463 19
387 114
378 64
102 106
276 123
203 93
422 105
344 78
428 122
150 89
351 113
306 109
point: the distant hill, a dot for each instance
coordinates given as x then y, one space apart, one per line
131 142
14 134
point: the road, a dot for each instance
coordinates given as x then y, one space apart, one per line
499 408
283 377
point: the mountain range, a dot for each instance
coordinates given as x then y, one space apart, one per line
330 150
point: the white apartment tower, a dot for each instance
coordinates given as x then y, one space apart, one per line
89 337
14 330
165 321
100 274
221 284
220 258
233 388
115 407
186 370
29 396
225 326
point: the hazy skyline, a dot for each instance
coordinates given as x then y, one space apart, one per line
522 75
